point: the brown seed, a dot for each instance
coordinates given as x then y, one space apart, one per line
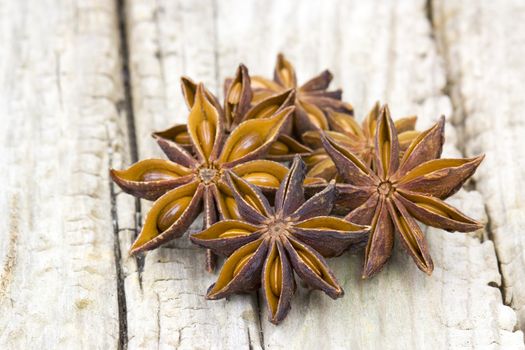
267 111
245 145
183 138
286 76
157 175
234 232
433 209
233 210
314 180
262 179
170 213
276 277
251 201
206 136
278 148
235 93
241 264
312 265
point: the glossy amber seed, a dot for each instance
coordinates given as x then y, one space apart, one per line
306 259
278 148
157 175
245 145
169 214
276 277
233 210
234 232
183 138
235 93
206 135
241 263
262 179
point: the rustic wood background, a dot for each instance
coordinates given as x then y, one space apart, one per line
84 82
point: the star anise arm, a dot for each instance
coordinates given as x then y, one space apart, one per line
349 166
253 138
270 105
284 73
411 236
290 194
386 145
320 204
205 127
151 178
344 123
251 203
427 146
440 177
328 235
177 135
434 212
225 237
380 242
308 116
312 268
405 124
176 152
350 197
319 82
286 147
241 272
237 98
364 213
278 283
324 169
169 217
189 91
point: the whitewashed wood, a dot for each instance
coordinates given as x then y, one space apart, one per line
59 88
484 45
377 50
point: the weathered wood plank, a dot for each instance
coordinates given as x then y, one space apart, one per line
483 44
59 88
377 50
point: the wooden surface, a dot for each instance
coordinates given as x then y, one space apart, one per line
68 112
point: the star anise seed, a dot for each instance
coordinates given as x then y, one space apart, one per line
397 192
188 184
268 244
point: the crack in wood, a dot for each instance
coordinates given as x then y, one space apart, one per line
7 270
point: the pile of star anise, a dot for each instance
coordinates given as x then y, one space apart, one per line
270 168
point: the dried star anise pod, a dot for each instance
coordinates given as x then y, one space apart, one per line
359 139
237 109
185 185
311 99
398 192
269 244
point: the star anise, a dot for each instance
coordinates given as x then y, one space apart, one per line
359 139
237 109
311 99
399 192
269 244
187 184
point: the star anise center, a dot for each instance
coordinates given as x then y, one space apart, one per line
277 227
386 188
207 174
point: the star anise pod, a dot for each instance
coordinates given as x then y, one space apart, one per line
187 184
398 192
269 244
312 98
237 109
359 139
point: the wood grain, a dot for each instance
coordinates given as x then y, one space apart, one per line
59 91
483 45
